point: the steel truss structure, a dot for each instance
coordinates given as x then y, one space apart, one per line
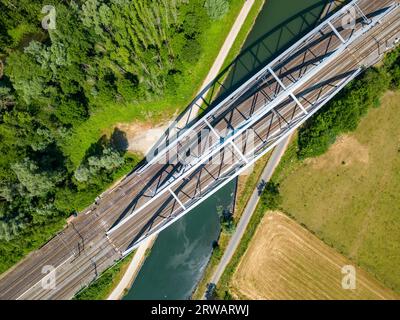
268 107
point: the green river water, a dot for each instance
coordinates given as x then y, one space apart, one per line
181 252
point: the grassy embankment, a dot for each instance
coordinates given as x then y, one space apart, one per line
102 287
102 122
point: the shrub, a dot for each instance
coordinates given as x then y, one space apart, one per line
191 51
271 198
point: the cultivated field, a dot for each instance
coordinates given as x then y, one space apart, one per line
285 261
350 196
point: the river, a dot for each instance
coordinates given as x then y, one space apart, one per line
181 252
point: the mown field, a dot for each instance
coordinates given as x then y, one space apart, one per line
349 197
285 261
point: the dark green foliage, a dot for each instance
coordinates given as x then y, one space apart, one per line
342 114
270 197
191 51
226 220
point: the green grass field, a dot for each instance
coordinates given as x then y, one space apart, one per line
350 196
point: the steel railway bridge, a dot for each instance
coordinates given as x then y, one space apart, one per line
195 158
265 109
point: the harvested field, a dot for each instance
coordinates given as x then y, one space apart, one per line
285 261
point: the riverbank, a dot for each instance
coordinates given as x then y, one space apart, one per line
133 269
101 288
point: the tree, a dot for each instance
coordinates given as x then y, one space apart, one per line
107 161
271 197
35 182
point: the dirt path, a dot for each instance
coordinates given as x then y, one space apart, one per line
226 47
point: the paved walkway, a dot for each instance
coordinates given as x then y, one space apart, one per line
139 257
249 210
133 270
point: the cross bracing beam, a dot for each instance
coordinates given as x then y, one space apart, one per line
336 32
284 88
248 84
177 199
270 106
232 143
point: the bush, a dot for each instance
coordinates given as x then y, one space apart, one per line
191 51
271 198
392 65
